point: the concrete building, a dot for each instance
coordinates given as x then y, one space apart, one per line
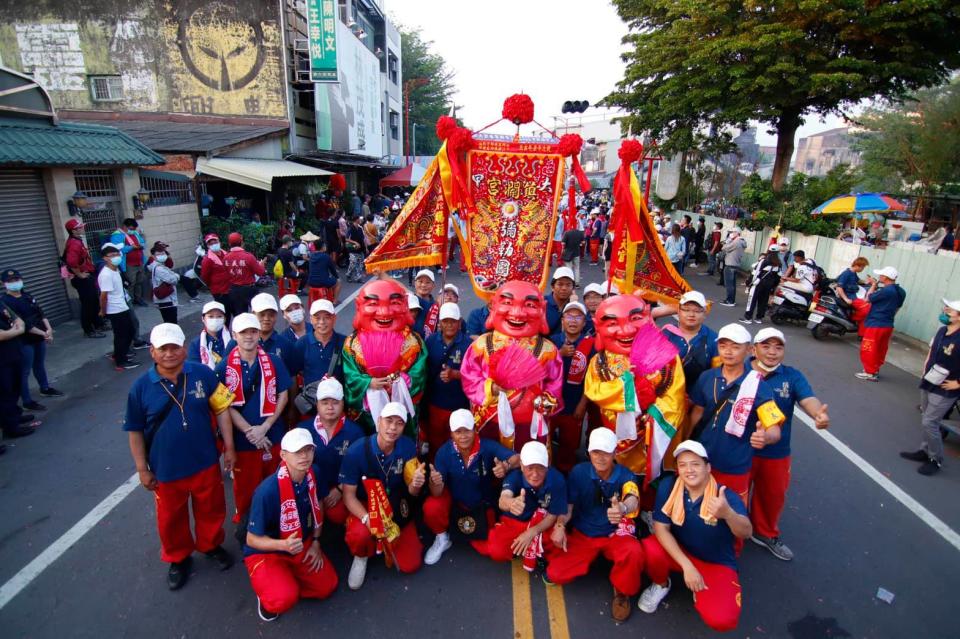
819 153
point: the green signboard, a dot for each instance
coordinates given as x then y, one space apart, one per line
322 31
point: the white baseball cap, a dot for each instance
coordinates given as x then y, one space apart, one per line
694 296
692 446
325 306
608 288
119 247
263 302
394 409
602 439
887 271
784 241
452 287
213 306
574 306
243 321
769 333
461 418
163 334
413 301
735 333
296 439
534 453
593 288
563 271
329 388
288 300
426 273
955 304
449 311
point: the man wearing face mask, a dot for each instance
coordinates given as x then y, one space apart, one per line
214 272
163 281
132 244
113 306
211 345
77 259
294 315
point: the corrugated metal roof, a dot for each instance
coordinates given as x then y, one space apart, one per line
33 143
256 173
186 137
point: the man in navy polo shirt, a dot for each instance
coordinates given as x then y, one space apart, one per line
390 458
576 349
169 411
885 301
696 521
561 287
770 472
210 346
425 321
477 321
733 411
259 382
264 306
332 435
604 498
462 479
695 341
444 392
319 353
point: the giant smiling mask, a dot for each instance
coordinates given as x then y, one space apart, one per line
617 321
382 306
518 310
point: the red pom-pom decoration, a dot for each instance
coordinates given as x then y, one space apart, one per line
338 183
646 393
445 127
630 151
570 144
460 140
518 108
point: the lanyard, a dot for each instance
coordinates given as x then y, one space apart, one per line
181 402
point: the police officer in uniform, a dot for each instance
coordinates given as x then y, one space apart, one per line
11 416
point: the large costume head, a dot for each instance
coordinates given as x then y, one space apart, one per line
518 310
617 321
381 306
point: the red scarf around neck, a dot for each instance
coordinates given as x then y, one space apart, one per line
268 378
289 516
322 431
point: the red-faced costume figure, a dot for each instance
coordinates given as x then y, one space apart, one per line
499 367
643 401
383 349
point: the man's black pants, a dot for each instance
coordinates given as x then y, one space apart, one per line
122 336
86 288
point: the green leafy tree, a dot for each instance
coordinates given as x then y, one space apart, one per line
429 83
696 65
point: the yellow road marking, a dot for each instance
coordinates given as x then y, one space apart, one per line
557 611
522 609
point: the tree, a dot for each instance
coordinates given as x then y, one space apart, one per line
430 86
695 65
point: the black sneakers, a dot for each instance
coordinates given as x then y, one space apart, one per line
222 557
917 455
34 405
51 392
929 467
178 574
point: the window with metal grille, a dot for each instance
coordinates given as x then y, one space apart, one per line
99 225
394 68
96 182
165 192
106 88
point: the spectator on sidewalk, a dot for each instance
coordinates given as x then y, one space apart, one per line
764 280
939 389
33 344
114 307
210 346
77 259
323 280
732 254
163 282
699 235
290 274
803 276
676 248
214 272
885 297
354 242
714 244
11 416
132 261
242 269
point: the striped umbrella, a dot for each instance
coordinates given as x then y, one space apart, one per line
859 203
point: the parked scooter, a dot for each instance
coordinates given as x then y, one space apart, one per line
830 315
790 306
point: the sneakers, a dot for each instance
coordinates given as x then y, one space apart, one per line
178 574
929 467
264 614
32 405
440 545
358 572
94 335
746 320
128 365
867 377
776 547
140 344
759 320
222 557
916 456
731 304
620 608
50 391
651 597
17 431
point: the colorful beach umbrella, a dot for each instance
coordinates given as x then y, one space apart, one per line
859 203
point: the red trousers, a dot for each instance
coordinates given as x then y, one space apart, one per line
770 479
861 308
407 547
436 516
594 250
739 484
719 604
625 552
873 348
315 293
436 430
205 492
286 286
568 431
336 515
248 472
557 253
502 535
281 579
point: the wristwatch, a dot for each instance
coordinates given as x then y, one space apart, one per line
365 519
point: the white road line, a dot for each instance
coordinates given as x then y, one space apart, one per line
938 525
31 571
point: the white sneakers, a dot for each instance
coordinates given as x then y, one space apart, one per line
358 572
651 597
440 545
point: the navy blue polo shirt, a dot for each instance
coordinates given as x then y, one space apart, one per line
789 387
312 358
251 380
175 452
712 544
590 497
277 345
697 354
884 304
290 336
327 457
728 454
419 324
477 321
446 395
551 496
572 392
213 343
359 462
849 283
553 314
945 352
473 484
265 511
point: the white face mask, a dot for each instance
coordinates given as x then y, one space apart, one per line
160 257
296 317
213 324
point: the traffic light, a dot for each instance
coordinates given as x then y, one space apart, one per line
575 106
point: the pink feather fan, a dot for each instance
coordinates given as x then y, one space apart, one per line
514 367
381 351
651 351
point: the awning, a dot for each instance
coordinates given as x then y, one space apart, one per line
409 175
256 173
25 142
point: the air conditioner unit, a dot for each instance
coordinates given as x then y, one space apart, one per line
301 44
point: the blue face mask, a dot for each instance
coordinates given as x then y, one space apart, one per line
944 318
115 260
215 248
16 285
